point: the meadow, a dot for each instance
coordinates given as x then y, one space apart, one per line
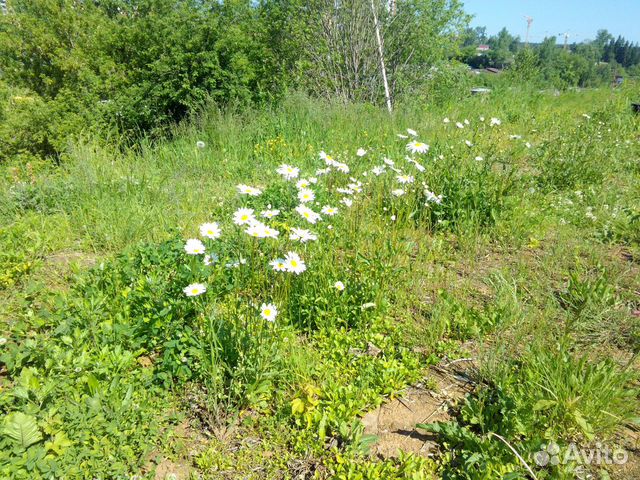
229 302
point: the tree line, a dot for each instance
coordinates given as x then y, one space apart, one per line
583 64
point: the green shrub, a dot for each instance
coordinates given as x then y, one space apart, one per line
80 68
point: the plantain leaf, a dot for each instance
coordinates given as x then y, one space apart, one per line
21 428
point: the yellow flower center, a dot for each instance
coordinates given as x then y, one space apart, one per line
194 291
267 313
294 263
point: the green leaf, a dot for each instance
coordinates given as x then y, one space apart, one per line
543 404
584 425
58 444
21 428
297 406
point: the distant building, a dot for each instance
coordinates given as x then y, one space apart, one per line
483 48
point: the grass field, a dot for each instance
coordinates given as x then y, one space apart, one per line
507 253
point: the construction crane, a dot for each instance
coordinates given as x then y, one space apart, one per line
529 22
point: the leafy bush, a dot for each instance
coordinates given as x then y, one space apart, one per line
79 68
446 83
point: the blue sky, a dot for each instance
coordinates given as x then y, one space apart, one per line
580 18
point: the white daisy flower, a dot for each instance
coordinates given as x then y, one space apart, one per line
466 122
244 216
412 132
313 180
323 171
405 179
479 158
377 171
269 232
211 259
338 286
302 183
482 119
247 190
210 230
278 265
194 289
361 152
344 191
388 161
515 137
356 186
432 197
200 144
268 311
302 235
347 202
342 167
308 214
398 192
527 144
495 121
294 264
256 229
270 213
403 137
417 147
289 172
306 195
331 211
194 247
446 120
3 340
459 125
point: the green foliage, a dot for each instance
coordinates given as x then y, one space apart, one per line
97 370
78 69
544 395
115 67
451 318
447 82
